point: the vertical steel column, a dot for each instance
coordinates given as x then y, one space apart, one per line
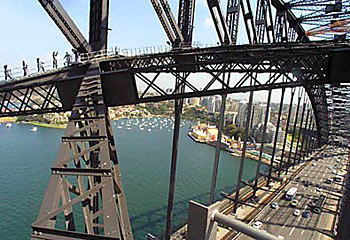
262 143
252 117
303 139
300 127
307 139
312 140
178 111
286 133
241 166
309 149
218 145
276 137
294 128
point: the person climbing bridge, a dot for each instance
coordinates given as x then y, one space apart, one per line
54 63
8 73
68 59
25 68
40 65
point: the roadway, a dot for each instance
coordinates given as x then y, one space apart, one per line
282 222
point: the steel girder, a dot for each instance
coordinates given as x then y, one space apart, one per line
292 64
87 168
66 25
98 35
186 20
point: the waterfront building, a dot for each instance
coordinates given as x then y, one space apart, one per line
194 101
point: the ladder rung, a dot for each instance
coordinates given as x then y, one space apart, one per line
82 171
83 138
78 119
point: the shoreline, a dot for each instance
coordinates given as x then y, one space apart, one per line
47 125
232 152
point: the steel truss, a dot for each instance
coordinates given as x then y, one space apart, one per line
86 168
86 174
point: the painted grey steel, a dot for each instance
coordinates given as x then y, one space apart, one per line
296 159
98 30
242 227
241 164
257 174
276 138
171 194
218 148
286 133
302 132
203 222
66 25
293 134
219 21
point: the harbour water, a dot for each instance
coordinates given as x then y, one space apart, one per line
144 156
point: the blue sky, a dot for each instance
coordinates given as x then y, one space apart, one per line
27 32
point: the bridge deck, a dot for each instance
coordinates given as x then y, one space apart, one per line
282 222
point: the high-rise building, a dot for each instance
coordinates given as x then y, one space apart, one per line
241 113
211 104
217 103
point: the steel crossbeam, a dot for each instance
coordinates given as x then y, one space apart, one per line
66 25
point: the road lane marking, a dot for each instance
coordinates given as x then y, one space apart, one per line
267 219
291 232
302 232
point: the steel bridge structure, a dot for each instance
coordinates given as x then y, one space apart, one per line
279 53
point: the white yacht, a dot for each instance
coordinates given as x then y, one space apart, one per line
8 125
34 129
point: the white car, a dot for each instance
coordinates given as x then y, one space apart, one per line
257 224
296 212
274 205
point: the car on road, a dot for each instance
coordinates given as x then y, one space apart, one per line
338 179
306 214
296 212
329 180
318 189
257 224
313 164
274 205
294 203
